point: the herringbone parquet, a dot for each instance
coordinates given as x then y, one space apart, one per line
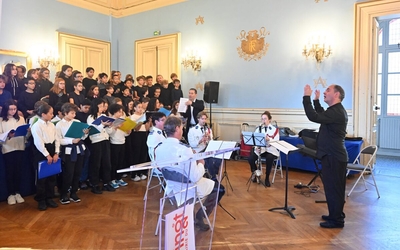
114 220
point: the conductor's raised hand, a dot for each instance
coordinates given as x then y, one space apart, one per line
307 90
188 103
317 93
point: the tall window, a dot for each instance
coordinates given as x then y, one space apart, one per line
389 68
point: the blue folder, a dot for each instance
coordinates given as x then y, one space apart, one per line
165 111
103 118
46 170
21 130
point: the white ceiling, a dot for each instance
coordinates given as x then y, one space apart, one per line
120 8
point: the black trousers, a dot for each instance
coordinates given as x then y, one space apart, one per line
269 161
334 180
71 173
211 199
13 164
100 160
44 186
212 165
117 160
139 150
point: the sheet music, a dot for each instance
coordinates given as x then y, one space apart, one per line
259 139
283 146
248 138
218 145
182 106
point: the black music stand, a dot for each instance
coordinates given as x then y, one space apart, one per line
285 148
257 140
217 145
225 175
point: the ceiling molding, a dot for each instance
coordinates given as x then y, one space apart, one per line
121 8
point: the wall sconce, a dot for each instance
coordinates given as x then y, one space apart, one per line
48 58
192 59
317 50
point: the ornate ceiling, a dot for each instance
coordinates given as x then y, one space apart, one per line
120 8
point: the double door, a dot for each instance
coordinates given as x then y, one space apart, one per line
81 52
158 56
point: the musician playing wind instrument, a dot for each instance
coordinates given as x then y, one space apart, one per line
199 136
270 153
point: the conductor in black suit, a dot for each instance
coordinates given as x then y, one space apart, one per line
194 106
330 148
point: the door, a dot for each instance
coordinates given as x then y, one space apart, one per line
389 85
82 52
158 56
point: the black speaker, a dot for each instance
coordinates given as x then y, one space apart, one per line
211 90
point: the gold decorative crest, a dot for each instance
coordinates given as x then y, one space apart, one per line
253 46
317 1
199 86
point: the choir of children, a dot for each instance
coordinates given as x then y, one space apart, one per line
87 160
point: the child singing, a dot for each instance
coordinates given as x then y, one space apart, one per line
12 150
47 147
72 153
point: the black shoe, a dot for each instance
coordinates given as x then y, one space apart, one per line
83 185
42 205
73 197
267 183
332 224
201 225
88 183
64 200
107 187
326 217
51 203
96 190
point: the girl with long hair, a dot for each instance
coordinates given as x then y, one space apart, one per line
57 93
12 85
99 150
43 83
13 150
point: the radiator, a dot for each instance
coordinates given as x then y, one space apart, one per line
389 133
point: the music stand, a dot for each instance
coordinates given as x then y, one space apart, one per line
227 181
285 148
257 140
218 145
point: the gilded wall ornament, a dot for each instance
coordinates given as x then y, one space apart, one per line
317 1
200 20
199 86
253 46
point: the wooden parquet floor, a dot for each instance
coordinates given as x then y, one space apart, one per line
114 220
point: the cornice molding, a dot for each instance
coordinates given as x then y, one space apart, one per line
120 8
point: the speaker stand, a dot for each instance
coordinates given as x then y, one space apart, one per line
211 115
